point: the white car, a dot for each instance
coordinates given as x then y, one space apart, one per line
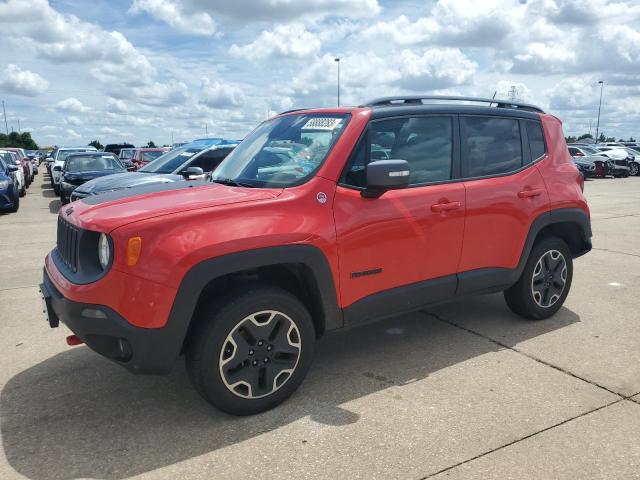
616 153
11 158
60 156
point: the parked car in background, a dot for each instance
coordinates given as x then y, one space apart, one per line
126 158
620 156
9 189
27 165
80 168
189 162
142 156
117 147
587 166
577 150
58 161
11 158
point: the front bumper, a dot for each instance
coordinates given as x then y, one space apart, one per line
139 350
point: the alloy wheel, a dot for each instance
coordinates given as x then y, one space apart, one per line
549 278
260 354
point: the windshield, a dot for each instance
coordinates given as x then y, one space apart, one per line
92 163
63 154
151 155
283 152
591 151
172 160
125 154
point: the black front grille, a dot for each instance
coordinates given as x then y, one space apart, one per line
68 244
622 162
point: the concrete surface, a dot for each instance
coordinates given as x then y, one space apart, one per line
465 390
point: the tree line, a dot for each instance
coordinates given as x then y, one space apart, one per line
602 138
18 140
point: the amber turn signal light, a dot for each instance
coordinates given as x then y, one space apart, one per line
134 248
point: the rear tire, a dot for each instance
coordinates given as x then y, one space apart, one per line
545 281
251 351
634 169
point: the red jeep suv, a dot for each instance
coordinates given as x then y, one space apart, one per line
321 219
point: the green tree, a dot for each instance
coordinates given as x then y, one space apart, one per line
96 143
610 139
602 138
150 144
571 139
585 135
18 140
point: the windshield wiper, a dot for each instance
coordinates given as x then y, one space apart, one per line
230 182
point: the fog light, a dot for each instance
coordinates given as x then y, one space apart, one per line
93 313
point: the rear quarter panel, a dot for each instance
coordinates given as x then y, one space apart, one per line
561 176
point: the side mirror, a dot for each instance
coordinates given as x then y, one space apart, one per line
191 172
57 168
12 168
386 175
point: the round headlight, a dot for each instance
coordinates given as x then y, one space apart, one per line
104 251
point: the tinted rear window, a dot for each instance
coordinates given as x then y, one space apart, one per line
492 144
536 140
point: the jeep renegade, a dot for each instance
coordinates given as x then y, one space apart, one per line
321 219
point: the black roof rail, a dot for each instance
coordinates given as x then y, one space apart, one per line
418 100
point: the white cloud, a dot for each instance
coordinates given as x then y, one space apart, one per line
72 134
73 120
292 40
66 38
218 95
22 82
283 11
70 104
172 13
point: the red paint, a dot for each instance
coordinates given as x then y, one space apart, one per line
412 234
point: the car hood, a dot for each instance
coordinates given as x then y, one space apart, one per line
119 181
75 177
111 210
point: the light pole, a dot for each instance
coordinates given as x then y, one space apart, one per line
601 83
337 60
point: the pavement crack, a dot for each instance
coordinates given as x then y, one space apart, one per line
524 354
616 251
522 438
18 288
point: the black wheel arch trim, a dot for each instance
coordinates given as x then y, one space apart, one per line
201 274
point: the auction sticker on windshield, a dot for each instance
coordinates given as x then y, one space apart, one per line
321 123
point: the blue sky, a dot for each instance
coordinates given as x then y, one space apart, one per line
140 70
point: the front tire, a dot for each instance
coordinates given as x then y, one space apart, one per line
250 352
634 169
545 281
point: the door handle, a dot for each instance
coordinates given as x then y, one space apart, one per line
445 207
530 193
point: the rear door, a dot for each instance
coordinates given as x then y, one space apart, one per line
405 236
504 190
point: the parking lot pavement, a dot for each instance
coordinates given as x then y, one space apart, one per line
465 390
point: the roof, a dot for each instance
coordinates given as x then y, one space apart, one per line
430 104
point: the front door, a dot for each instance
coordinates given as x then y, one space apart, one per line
390 247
